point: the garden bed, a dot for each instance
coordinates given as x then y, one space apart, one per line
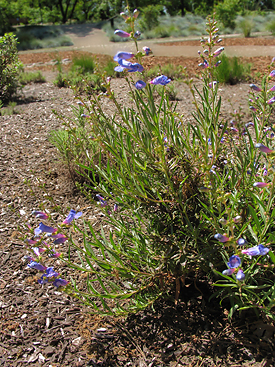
40 325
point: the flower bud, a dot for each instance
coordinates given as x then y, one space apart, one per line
135 13
124 16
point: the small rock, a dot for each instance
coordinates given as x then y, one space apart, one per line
76 341
49 351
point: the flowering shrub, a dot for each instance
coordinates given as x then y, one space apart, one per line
180 200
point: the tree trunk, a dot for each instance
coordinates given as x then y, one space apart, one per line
182 8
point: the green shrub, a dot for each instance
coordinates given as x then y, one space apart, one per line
231 71
192 199
35 37
271 27
226 12
9 66
149 17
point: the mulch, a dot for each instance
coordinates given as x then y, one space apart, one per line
41 326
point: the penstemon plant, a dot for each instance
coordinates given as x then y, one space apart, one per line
180 199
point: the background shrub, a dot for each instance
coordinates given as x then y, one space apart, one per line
9 66
226 12
149 18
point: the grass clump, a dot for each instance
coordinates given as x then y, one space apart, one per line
231 70
84 64
246 26
31 77
171 71
8 110
84 74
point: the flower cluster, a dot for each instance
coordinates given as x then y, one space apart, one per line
122 57
42 247
234 262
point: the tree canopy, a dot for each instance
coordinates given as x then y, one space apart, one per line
61 11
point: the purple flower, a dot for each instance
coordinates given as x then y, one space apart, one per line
60 282
228 271
116 208
218 51
43 228
140 84
213 84
221 238
40 215
263 148
102 201
55 254
50 273
29 258
256 250
162 80
249 124
271 100
260 184
240 275
255 87
137 34
36 265
241 242
127 65
42 280
146 50
31 242
123 55
60 239
38 250
272 74
272 89
217 63
72 215
253 108
234 261
121 33
204 64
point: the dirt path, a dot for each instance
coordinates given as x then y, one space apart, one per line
87 38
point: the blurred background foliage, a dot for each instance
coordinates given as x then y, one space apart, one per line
16 12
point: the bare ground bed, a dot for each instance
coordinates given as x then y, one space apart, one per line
43 327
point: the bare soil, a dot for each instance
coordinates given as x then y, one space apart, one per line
41 326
